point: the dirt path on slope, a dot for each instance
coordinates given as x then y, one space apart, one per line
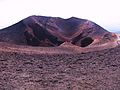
64 49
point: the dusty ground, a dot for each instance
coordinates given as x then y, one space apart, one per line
98 70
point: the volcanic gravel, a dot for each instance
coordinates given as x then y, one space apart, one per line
97 70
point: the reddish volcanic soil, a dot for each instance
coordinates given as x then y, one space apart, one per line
25 68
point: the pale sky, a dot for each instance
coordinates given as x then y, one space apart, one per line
106 13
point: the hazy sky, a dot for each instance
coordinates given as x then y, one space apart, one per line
103 12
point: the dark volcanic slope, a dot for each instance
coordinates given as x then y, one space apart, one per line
98 70
13 34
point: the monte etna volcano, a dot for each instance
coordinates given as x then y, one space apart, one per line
54 31
52 53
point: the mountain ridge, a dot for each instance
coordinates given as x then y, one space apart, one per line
54 31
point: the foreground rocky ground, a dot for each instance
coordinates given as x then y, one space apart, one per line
98 70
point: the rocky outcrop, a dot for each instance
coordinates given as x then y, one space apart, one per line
54 31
